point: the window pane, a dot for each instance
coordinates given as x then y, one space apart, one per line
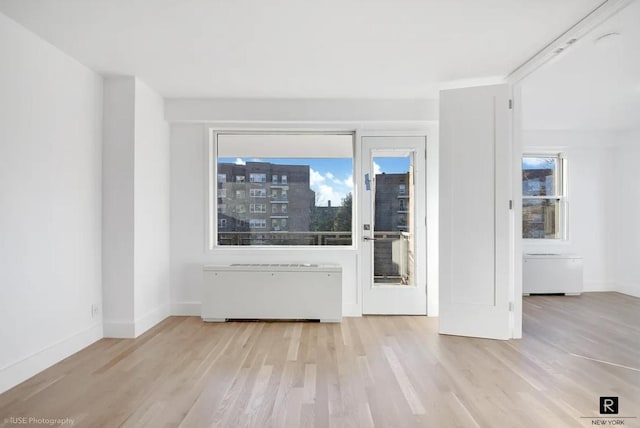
284 200
393 250
539 176
540 219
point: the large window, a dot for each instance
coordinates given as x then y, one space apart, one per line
544 203
304 183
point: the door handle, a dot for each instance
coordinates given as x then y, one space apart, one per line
368 238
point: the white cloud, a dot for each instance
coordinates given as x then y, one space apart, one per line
333 178
328 187
239 161
349 182
326 193
376 169
315 177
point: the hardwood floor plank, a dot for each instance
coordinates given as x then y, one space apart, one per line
371 371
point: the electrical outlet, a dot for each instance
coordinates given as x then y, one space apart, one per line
95 310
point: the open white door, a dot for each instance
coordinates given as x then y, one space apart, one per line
475 211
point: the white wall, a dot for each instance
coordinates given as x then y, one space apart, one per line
152 209
118 205
300 110
50 204
591 222
136 208
188 208
626 207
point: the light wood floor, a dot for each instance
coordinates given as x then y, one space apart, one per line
371 371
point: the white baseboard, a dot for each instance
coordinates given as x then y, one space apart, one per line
626 288
591 286
131 330
33 364
353 310
186 309
151 318
119 330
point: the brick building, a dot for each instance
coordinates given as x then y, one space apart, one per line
264 197
392 202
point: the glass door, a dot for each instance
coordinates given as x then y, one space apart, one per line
393 225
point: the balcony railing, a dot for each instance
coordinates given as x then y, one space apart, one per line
301 238
284 238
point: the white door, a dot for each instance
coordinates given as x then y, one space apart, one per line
393 236
476 220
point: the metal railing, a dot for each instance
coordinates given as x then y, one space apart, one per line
284 238
273 237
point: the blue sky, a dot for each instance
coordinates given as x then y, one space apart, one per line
331 178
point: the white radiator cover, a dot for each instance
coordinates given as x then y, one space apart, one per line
552 273
272 291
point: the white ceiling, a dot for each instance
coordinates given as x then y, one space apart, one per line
592 85
300 48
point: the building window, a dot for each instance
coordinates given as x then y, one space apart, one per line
222 178
256 177
308 193
222 223
258 208
544 202
258 193
402 189
257 223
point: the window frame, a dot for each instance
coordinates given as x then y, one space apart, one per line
211 191
560 195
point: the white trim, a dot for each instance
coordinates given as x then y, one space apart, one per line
627 288
19 371
596 286
186 309
131 330
119 330
515 296
150 319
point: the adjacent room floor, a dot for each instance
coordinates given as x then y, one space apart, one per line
370 371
